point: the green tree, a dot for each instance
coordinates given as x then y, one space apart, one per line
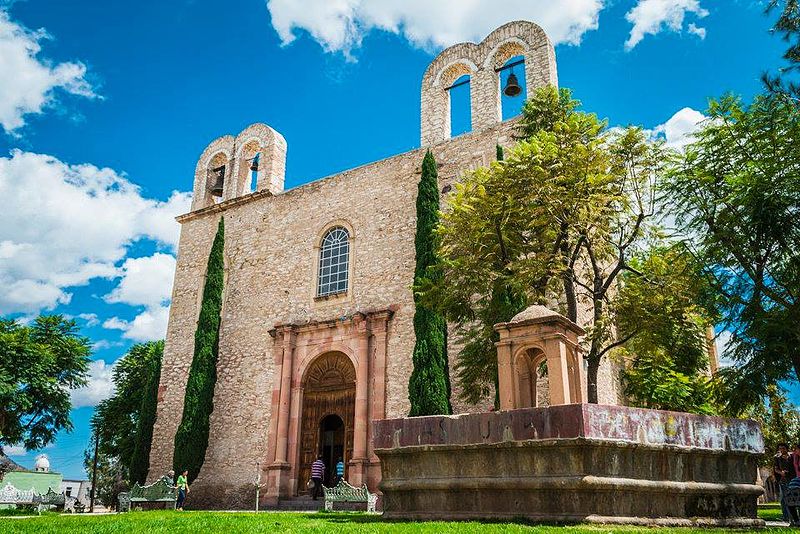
140 462
556 221
736 196
668 308
429 385
788 27
780 421
125 420
111 478
39 365
191 439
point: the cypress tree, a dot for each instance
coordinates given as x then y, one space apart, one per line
140 461
500 155
191 440
429 386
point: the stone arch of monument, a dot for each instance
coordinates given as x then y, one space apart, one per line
528 363
531 337
480 61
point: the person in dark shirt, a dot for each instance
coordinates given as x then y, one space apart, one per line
783 470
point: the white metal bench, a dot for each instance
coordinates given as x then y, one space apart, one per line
156 492
344 492
11 495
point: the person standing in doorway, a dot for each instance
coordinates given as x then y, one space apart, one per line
317 472
183 489
783 469
339 471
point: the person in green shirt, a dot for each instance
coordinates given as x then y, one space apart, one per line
183 489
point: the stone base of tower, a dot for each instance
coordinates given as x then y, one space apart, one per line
572 463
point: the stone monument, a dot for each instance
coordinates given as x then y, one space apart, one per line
567 462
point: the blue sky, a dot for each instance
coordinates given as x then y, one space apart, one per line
104 111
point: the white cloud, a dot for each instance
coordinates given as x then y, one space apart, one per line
653 16
694 29
145 281
340 25
100 385
28 83
15 450
115 323
105 344
62 225
90 318
679 130
150 325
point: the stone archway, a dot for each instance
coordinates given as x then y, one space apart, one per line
531 388
329 394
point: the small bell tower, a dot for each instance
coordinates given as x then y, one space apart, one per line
231 167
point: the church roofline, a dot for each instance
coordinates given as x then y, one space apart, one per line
257 195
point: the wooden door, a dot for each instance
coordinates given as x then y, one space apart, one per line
329 389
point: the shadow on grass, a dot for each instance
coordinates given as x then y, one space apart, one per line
364 518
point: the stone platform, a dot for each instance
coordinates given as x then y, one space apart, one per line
572 463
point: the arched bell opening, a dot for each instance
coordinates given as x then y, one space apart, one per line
460 97
216 173
513 86
327 419
249 163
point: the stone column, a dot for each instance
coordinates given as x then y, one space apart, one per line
379 323
286 388
557 372
362 405
293 456
485 97
505 374
279 467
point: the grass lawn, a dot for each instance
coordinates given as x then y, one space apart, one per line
170 522
770 512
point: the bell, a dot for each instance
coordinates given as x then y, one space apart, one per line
512 86
219 181
254 164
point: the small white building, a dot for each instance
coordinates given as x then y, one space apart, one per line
79 489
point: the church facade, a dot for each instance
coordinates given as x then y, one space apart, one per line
317 335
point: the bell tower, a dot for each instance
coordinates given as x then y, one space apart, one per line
231 167
482 63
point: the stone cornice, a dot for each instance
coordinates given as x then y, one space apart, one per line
368 316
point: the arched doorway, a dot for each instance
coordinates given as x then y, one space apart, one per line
331 445
329 394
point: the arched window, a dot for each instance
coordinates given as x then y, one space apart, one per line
334 262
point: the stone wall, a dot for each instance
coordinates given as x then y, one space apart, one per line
572 463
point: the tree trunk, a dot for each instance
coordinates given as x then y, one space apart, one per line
591 380
569 294
569 282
